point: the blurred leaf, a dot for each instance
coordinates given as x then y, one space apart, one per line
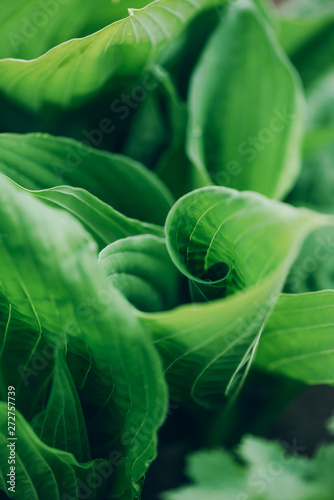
32 27
305 30
260 470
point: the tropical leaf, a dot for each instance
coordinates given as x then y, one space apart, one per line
251 240
72 72
245 137
68 296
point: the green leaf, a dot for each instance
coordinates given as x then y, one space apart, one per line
61 424
56 281
141 269
298 339
305 29
211 345
40 161
72 72
259 470
245 136
42 471
24 353
29 28
313 270
157 134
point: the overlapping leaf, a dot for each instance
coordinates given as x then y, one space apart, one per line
253 241
67 295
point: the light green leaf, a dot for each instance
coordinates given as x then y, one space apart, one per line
141 269
245 136
298 339
258 470
49 272
256 240
29 28
70 73
42 471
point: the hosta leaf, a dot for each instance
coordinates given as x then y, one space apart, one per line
72 72
298 338
42 471
141 269
28 29
254 241
67 294
61 424
245 136
40 161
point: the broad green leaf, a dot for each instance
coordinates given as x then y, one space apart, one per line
298 339
141 269
258 470
42 471
40 161
61 424
245 136
72 72
50 273
256 241
29 28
